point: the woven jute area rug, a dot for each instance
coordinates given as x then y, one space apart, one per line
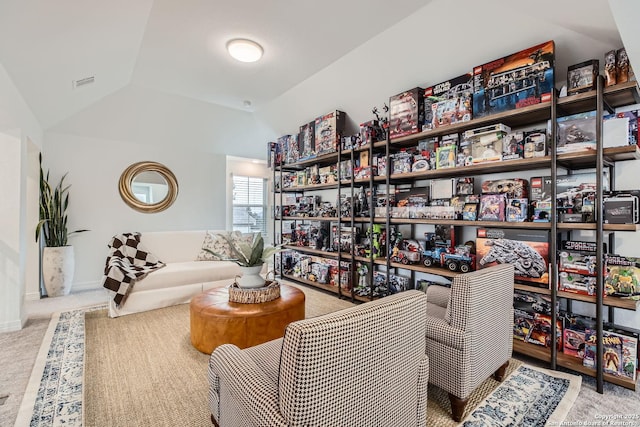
141 370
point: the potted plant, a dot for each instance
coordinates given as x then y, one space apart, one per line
250 258
57 256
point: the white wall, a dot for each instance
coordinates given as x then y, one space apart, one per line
18 253
162 120
94 167
134 124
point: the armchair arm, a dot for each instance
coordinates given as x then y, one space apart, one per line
247 386
423 385
440 331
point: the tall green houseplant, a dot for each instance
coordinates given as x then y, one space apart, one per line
58 261
54 202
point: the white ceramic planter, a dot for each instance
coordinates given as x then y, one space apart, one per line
57 270
251 277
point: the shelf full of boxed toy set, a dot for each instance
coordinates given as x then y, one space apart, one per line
576 335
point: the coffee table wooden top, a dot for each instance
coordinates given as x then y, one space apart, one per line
216 321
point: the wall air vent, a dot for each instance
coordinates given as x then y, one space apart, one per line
84 82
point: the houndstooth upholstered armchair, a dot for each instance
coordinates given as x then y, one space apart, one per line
470 332
361 366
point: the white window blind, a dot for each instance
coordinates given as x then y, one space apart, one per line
250 205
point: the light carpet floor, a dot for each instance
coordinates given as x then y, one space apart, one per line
131 358
589 407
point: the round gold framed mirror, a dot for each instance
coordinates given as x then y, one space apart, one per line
148 187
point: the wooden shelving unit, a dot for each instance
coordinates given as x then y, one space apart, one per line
615 96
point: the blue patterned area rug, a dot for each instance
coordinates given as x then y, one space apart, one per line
54 394
530 396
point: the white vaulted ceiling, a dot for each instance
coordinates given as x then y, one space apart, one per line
177 47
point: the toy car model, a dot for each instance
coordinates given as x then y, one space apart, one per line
407 252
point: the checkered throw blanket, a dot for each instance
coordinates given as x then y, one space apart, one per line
128 261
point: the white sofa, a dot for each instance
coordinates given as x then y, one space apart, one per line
181 278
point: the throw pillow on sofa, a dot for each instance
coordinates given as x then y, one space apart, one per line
217 242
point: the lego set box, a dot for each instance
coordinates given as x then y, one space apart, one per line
307 140
448 102
575 195
406 113
515 81
582 77
576 132
527 250
328 130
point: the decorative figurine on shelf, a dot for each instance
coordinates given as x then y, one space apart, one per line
363 276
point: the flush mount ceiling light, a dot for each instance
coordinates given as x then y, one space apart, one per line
244 50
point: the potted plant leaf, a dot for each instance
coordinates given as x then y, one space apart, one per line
57 256
250 258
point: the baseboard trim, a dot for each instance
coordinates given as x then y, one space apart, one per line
85 286
32 296
13 325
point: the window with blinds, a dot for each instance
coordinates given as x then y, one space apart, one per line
250 205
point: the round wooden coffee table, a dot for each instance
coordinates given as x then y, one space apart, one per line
216 321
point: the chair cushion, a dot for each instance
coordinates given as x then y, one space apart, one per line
187 273
435 310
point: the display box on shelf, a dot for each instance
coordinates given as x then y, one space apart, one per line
513 146
576 283
512 187
517 210
527 250
576 132
448 102
443 188
620 129
406 113
624 72
621 207
370 132
464 186
542 332
577 257
446 157
582 77
307 140
492 207
622 276
575 327
575 193
427 148
328 130
401 162
515 81
535 144
610 70
486 142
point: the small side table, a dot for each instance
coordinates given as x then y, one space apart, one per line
216 321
